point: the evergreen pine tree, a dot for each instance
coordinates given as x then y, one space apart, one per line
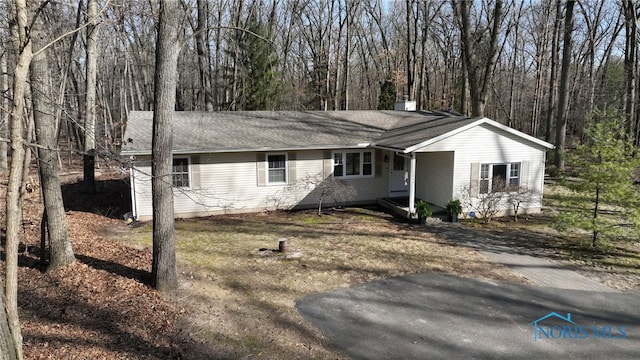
387 97
259 62
604 200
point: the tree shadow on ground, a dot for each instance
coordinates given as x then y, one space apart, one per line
106 328
116 269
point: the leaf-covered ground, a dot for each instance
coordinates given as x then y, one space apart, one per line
101 306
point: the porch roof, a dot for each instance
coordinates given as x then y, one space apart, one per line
405 136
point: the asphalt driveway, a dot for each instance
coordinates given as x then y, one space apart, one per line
430 316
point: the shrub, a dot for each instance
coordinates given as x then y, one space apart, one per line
423 209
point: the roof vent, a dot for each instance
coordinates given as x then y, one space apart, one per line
405 104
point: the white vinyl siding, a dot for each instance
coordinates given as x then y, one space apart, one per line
434 176
227 184
485 144
237 182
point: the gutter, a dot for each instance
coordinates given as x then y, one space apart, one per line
262 149
390 148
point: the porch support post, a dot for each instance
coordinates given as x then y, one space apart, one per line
412 184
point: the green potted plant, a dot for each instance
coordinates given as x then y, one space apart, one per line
423 210
454 208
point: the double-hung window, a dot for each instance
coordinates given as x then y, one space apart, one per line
180 173
351 164
514 175
277 168
499 177
484 178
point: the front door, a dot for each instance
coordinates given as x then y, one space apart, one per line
399 176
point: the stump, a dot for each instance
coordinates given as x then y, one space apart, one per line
283 245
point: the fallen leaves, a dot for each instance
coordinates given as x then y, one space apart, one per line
99 307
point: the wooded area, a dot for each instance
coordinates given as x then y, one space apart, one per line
338 55
72 70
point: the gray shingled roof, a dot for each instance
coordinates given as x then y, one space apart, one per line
202 132
405 135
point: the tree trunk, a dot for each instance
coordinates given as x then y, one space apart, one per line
46 133
563 101
630 66
553 73
4 115
64 78
7 346
218 95
541 45
492 57
409 58
479 73
352 6
464 90
16 180
90 120
204 55
164 271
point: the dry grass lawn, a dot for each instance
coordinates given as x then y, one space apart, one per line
240 294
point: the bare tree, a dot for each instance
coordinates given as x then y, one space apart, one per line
61 253
485 204
14 188
163 271
540 32
90 102
7 346
4 113
552 100
521 196
328 190
204 54
630 63
479 67
410 55
563 102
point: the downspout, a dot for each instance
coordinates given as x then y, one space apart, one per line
132 177
412 184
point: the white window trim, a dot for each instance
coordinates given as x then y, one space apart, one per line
286 168
188 172
507 180
344 163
